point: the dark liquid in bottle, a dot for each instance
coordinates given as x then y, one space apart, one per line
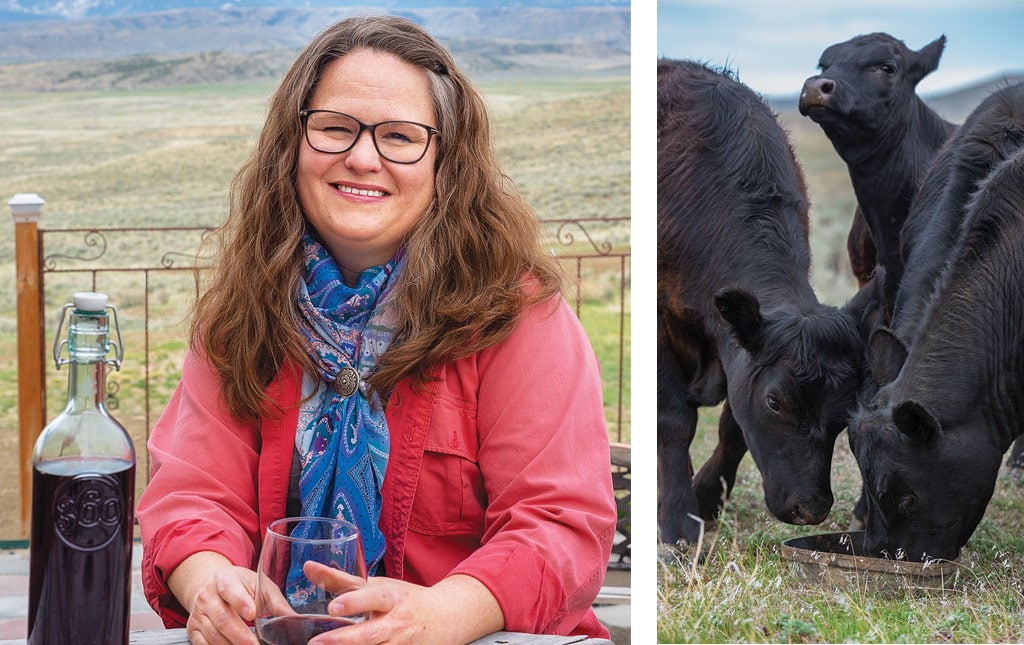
79 584
297 630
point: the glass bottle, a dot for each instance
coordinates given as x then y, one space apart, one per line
83 496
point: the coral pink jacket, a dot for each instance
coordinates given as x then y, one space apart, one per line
499 469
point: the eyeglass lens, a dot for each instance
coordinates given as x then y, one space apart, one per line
398 141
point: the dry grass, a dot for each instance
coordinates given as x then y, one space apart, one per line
740 589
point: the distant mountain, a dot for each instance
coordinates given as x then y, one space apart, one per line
31 10
956 104
235 30
201 46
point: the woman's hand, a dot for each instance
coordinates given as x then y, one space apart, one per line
458 609
221 608
219 597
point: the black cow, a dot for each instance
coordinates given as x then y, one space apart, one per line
737 319
865 101
951 372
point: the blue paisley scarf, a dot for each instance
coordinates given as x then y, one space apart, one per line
347 327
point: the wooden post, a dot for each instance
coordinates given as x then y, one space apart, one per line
26 209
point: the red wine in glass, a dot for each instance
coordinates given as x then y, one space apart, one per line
298 629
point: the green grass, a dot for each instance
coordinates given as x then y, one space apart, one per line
603 324
742 590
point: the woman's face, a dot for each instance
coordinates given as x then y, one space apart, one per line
361 204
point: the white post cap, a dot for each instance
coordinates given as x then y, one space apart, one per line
26 207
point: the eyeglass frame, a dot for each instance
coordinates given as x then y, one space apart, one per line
371 127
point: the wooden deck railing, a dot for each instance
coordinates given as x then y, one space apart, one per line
149 274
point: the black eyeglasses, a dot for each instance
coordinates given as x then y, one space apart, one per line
397 141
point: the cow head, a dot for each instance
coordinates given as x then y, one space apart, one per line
792 380
866 83
926 488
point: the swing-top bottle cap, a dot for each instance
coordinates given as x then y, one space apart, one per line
90 301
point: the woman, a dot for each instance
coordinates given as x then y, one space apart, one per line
381 300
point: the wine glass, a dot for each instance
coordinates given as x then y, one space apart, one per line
290 606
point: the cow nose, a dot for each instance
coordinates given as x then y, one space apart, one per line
823 86
810 512
799 507
804 516
817 92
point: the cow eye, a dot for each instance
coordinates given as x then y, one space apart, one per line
887 68
773 403
906 503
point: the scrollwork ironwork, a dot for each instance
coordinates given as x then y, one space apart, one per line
93 238
167 260
113 389
94 244
567 238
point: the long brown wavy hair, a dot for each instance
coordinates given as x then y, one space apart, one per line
468 259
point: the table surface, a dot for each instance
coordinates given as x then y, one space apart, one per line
177 637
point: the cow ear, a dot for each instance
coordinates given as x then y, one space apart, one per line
742 310
868 305
926 61
886 355
913 420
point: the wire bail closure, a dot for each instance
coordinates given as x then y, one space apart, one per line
118 345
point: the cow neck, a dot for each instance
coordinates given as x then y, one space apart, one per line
901 150
968 356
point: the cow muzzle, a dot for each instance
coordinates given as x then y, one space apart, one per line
804 511
817 93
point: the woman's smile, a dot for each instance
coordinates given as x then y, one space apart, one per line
356 191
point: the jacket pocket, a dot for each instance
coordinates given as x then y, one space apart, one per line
450 496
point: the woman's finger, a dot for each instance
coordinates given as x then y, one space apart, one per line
238 595
221 609
331 579
271 599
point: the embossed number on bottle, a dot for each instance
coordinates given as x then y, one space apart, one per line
88 511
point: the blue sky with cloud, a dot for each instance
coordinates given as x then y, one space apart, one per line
775 45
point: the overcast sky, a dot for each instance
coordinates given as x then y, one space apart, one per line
775 45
